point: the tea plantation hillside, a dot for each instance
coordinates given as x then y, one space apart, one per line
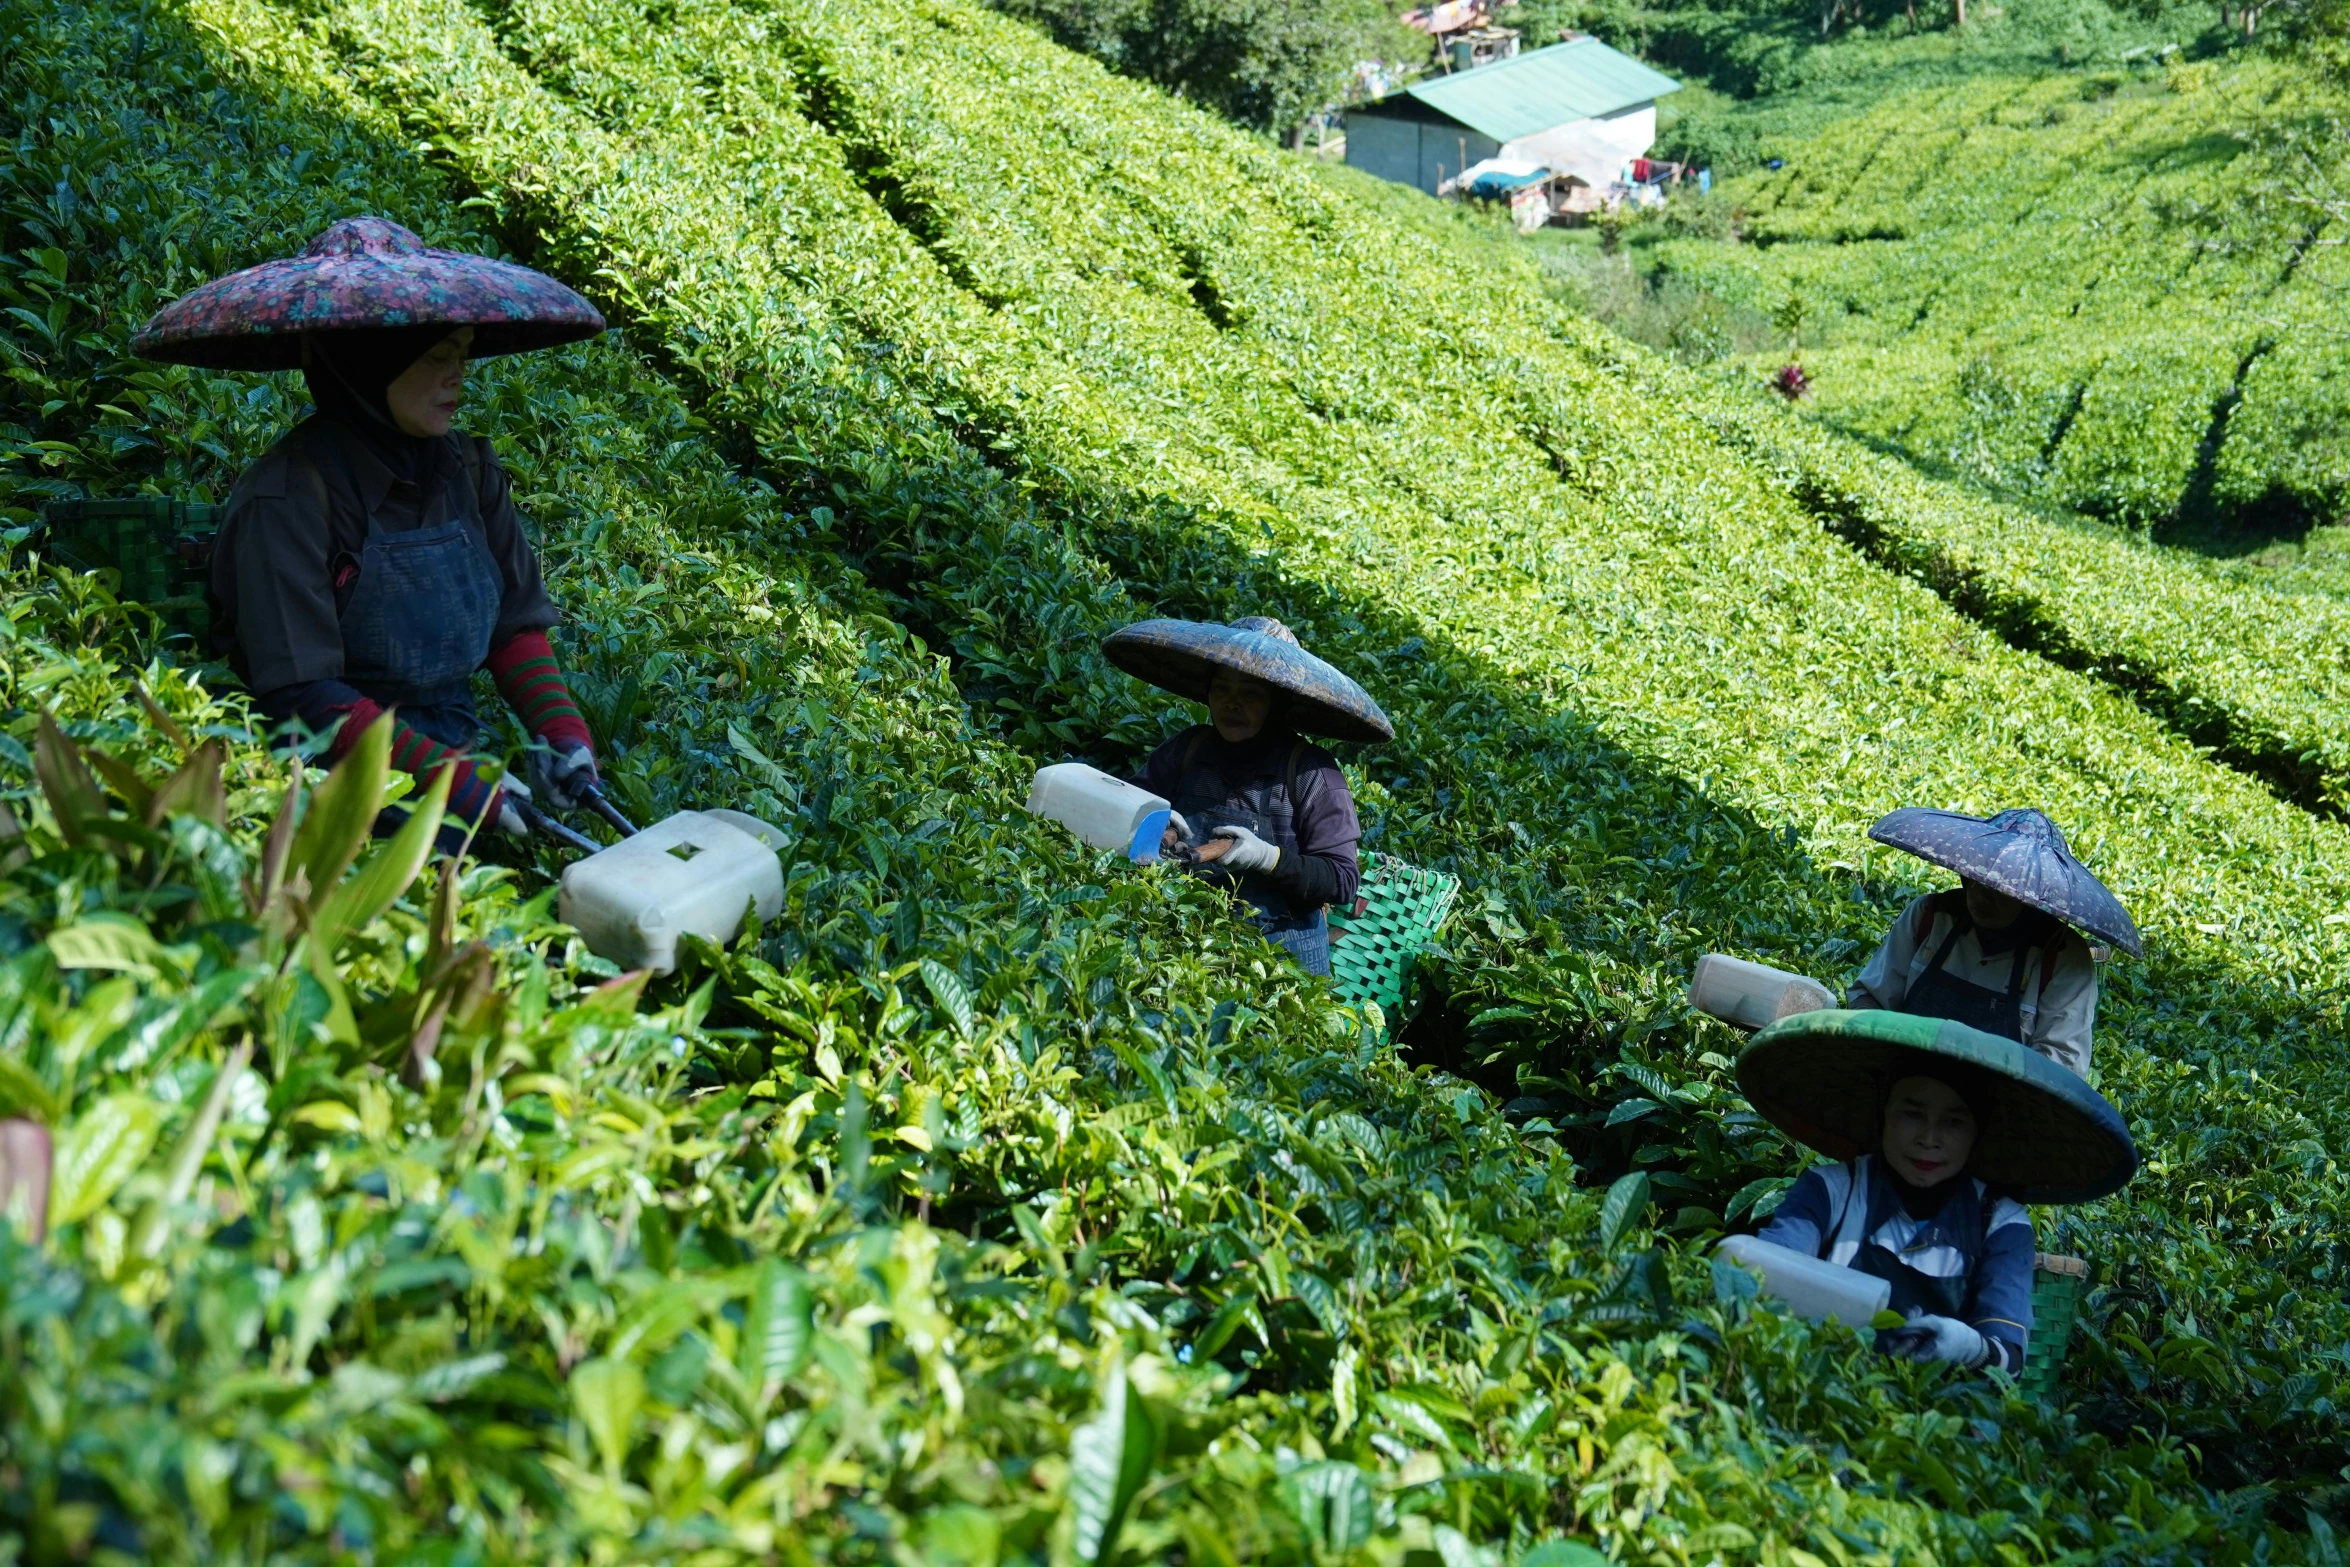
2115 291
998 1203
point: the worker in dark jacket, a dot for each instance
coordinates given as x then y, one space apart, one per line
373 560
1257 808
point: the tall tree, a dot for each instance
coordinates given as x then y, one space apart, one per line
1265 64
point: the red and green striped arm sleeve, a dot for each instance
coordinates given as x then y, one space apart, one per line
532 683
470 795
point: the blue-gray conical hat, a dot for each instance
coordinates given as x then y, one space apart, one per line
2023 855
1182 656
1820 1077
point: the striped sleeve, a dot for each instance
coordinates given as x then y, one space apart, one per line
330 706
532 683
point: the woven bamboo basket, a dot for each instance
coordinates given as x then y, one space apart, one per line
1397 912
2057 1285
162 547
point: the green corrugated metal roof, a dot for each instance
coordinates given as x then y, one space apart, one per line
1534 91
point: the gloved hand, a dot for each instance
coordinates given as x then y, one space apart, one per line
1248 852
1928 1337
503 815
563 774
1175 842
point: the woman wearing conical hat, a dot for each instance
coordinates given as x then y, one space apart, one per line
1943 1133
1260 810
2002 951
373 559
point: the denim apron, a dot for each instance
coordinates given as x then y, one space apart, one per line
1913 1288
1939 993
420 616
1262 804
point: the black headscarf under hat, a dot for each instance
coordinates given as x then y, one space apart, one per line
348 374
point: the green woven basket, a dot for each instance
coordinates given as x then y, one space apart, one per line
1397 911
2057 1283
162 547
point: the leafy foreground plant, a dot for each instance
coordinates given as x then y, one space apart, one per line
1090 1212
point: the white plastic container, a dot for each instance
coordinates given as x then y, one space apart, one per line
1810 1288
1752 995
1106 812
693 874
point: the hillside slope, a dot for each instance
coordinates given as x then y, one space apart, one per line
1070 1182
2114 291
1220 431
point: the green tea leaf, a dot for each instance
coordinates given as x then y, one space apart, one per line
607 1395
388 872
74 795
1110 1457
22 1093
107 941
778 1327
98 1152
953 997
1332 1499
1564 1553
1626 1200
342 811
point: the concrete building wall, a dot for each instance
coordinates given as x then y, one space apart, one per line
1389 149
1411 153
1445 150
1593 149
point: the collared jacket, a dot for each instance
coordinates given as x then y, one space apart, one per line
1297 792
294 523
1976 1236
2059 1002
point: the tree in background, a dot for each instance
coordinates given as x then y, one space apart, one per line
1264 64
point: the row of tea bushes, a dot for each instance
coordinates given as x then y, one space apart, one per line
971 1208
2100 290
989 471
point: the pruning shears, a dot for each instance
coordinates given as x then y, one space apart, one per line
540 822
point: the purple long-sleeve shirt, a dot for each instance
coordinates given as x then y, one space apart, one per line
1325 822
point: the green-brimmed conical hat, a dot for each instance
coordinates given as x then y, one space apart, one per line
1182 656
1820 1078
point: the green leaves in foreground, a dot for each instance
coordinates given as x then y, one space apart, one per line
1109 1460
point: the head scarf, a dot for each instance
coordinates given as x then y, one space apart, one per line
349 374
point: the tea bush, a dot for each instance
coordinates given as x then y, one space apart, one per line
995 1194
2101 290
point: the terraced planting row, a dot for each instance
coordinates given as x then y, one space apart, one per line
2236 655
1002 1193
1645 578
2099 291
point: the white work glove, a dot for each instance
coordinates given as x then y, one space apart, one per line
1928 1337
503 815
1248 852
564 777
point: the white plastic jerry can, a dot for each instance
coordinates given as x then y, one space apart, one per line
1106 812
1810 1287
1752 995
693 874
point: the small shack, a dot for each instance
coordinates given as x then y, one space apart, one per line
1578 109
